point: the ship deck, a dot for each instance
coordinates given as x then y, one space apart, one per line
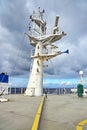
64 112
60 112
19 112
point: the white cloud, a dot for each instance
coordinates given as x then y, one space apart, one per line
14 19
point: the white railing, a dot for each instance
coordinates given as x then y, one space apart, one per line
58 91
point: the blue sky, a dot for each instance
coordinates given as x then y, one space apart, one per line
47 83
15 47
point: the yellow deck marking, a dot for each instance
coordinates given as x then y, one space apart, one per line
81 124
79 128
38 115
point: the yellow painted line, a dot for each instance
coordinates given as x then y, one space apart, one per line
81 124
38 115
79 128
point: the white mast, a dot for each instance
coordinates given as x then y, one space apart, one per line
41 41
81 76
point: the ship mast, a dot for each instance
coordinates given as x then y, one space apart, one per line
42 43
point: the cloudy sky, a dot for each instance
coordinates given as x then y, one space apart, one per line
15 46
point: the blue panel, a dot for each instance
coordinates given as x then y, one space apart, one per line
4 78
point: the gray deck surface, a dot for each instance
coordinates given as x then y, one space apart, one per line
19 112
63 112
60 112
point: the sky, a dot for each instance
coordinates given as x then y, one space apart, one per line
15 47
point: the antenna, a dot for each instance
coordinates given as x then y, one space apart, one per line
55 29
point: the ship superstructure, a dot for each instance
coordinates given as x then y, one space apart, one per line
44 50
4 85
